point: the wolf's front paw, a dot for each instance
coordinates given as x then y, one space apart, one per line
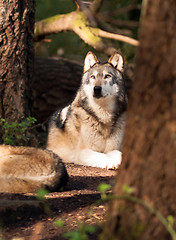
116 159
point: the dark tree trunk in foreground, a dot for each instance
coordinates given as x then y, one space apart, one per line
16 57
149 148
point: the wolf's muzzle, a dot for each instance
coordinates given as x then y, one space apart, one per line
97 92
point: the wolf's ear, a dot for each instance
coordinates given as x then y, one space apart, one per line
117 61
89 61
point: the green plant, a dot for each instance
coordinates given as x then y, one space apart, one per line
103 188
81 233
83 229
16 133
40 195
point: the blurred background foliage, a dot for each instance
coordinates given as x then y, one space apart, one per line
114 15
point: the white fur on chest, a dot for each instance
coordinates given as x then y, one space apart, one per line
98 137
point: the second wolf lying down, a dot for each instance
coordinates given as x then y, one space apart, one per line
26 169
89 131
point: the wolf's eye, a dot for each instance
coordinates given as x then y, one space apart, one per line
92 76
107 76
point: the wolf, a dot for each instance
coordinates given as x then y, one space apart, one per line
89 131
27 169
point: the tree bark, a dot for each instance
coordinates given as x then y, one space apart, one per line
16 57
149 147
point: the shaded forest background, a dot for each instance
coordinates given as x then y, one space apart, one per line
117 16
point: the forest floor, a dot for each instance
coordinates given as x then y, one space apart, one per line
22 216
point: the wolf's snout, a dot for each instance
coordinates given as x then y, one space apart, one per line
97 91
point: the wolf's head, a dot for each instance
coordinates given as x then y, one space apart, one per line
104 81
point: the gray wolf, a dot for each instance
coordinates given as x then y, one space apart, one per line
27 169
89 131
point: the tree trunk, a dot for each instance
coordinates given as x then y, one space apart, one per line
149 147
16 56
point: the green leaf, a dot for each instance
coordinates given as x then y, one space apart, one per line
170 220
103 187
19 137
127 189
73 235
8 141
90 229
59 223
41 194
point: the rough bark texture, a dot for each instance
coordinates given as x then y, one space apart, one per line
16 56
149 148
54 85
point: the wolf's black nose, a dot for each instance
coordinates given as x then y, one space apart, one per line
97 91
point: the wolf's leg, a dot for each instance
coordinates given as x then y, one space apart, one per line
91 158
115 154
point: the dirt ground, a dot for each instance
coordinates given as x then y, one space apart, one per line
24 218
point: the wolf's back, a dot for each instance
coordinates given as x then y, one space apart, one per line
27 169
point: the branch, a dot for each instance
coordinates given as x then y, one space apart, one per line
96 5
125 9
77 21
93 6
118 37
56 24
85 8
103 23
119 22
